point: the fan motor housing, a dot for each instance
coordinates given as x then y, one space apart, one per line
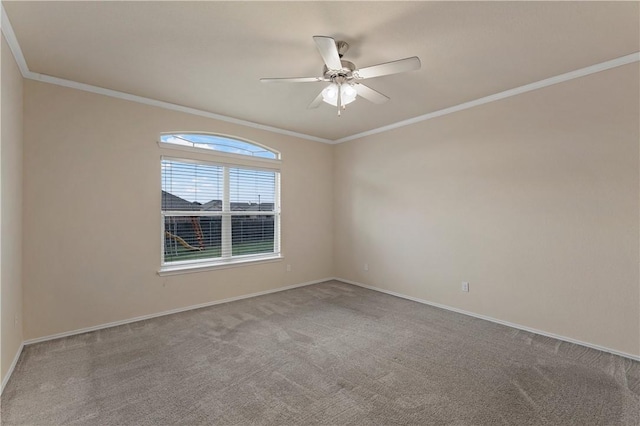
346 72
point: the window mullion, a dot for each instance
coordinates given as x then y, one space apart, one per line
226 214
276 241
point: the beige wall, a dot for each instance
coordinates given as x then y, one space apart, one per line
10 208
92 212
533 200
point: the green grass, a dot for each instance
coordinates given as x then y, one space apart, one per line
238 249
252 248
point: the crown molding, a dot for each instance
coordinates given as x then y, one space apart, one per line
167 105
623 60
12 41
10 36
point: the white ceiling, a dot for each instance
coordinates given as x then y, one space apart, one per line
210 55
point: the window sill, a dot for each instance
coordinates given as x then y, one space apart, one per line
211 266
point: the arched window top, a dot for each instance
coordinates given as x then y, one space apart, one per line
219 143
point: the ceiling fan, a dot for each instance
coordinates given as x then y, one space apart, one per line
343 76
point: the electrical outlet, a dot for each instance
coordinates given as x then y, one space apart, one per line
465 286
366 266
288 268
15 321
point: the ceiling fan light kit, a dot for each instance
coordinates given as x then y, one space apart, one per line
343 76
335 92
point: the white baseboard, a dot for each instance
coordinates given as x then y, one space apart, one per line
172 311
495 320
7 376
276 290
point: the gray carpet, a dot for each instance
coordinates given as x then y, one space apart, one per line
330 353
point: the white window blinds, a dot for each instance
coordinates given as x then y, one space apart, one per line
217 213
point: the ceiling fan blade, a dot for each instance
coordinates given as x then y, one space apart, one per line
316 102
293 80
328 51
394 67
369 94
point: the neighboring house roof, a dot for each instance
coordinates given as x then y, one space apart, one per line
252 207
213 205
173 202
241 206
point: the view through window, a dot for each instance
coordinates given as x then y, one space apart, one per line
218 213
218 143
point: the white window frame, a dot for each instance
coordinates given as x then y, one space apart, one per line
221 154
226 161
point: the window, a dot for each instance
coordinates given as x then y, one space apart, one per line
218 143
219 213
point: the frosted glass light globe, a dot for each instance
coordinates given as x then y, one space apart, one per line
347 92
